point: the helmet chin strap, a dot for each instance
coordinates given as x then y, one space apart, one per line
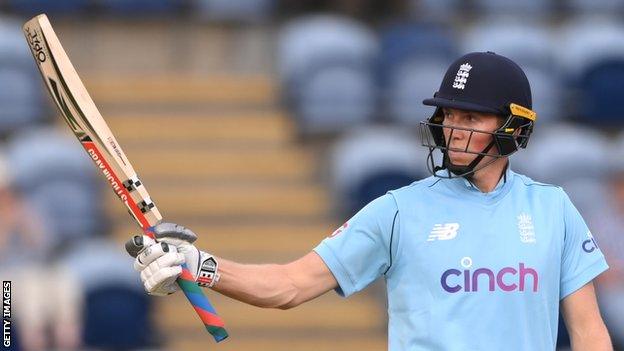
468 170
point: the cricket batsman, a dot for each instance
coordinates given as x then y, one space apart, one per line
475 257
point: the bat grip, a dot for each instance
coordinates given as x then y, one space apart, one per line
213 323
195 295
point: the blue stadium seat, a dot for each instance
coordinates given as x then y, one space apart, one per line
406 42
117 312
409 83
436 10
141 7
21 99
57 7
334 95
561 152
377 184
601 93
595 6
303 41
235 10
535 8
22 95
585 40
56 177
412 62
370 159
584 44
70 211
325 64
46 155
503 37
117 318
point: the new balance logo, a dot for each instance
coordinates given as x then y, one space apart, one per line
462 76
446 231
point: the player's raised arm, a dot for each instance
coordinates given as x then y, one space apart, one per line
267 285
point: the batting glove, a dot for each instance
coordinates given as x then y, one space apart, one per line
160 262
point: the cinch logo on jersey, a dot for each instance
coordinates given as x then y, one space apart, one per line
446 231
589 245
462 76
507 279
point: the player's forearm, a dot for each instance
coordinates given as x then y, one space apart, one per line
266 285
591 339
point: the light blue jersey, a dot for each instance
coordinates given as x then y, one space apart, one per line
466 270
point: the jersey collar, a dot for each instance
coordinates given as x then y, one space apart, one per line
464 187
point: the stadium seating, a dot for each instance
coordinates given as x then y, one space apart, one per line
600 87
408 85
56 178
57 7
304 40
595 6
248 11
534 56
369 161
438 10
116 313
592 49
534 8
412 61
335 96
42 156
69 211
582 41
559 153
403 42
140 7
326 68
503 36
117 318
21 96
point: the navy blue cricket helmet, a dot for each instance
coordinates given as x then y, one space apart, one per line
480 82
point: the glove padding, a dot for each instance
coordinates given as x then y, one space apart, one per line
160 263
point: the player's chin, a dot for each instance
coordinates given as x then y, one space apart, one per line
459 158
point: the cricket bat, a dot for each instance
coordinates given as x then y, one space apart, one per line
84 119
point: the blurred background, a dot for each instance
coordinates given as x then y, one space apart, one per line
263 125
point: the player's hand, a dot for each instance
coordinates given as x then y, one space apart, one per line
160 263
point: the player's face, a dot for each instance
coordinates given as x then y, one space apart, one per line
459 140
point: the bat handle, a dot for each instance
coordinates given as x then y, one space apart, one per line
213 323
195 295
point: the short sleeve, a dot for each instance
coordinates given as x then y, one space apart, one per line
359 252
582 260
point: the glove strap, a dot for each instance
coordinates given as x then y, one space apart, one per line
208 273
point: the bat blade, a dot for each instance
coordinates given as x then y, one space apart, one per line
84 119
